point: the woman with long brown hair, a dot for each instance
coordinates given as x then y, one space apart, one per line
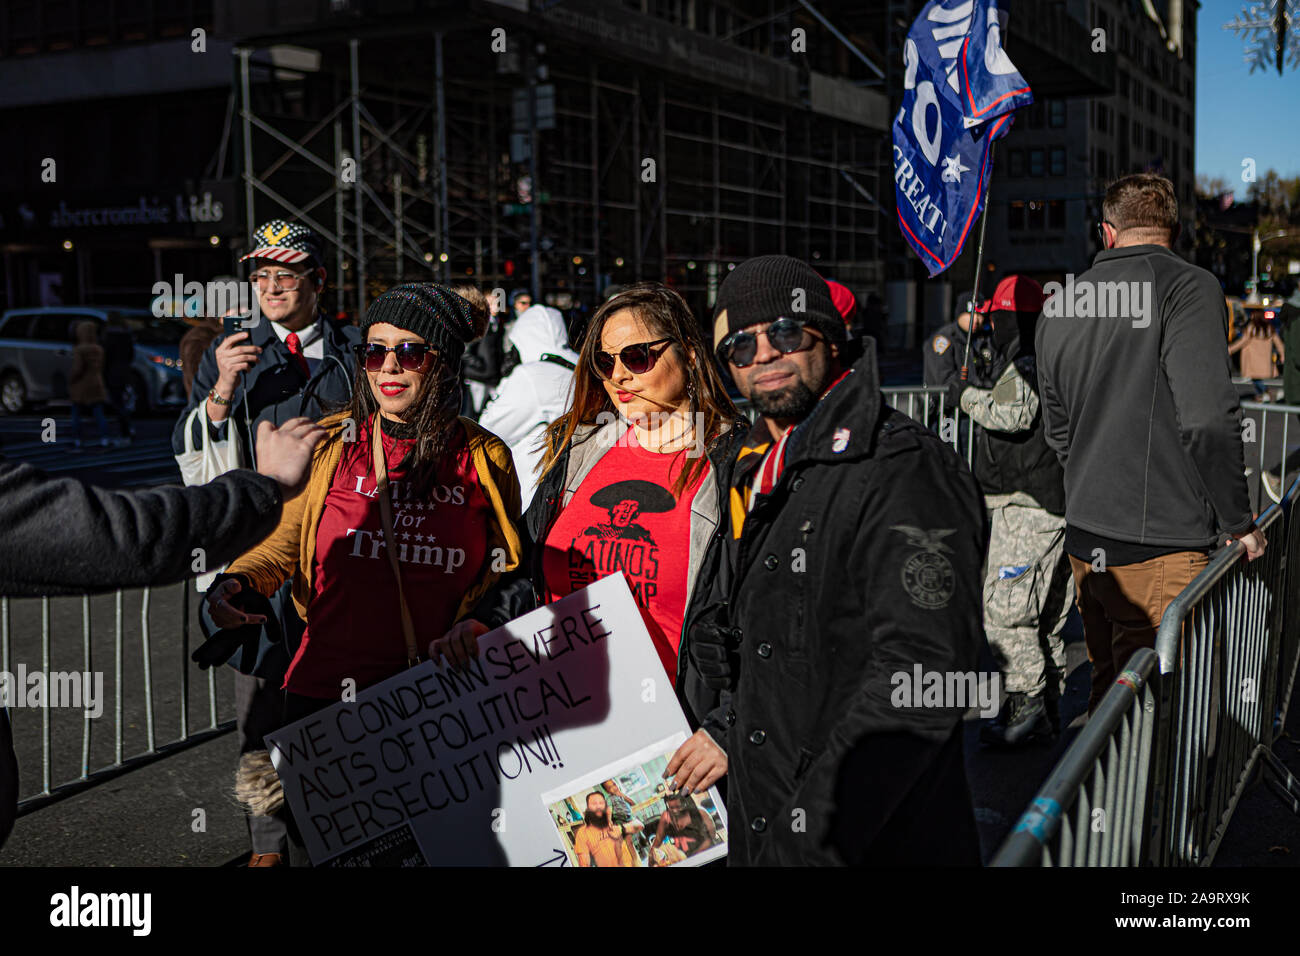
405 517
1260 346
634 479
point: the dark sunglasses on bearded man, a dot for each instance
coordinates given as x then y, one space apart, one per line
786 335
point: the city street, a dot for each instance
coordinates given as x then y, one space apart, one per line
147 461
1072 227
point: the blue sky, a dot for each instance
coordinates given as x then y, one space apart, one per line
1241 114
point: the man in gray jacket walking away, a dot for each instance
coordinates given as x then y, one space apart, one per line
1138 403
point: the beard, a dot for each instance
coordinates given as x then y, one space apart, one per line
598 820
792 402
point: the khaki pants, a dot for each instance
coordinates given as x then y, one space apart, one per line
1122 607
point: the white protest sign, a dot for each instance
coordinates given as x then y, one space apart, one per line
444 767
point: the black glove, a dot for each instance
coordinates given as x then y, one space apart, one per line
955 388
222 645
712 643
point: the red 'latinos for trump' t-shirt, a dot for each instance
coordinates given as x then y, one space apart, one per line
623 517
354 621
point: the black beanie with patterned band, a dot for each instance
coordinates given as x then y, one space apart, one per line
765 288
437 315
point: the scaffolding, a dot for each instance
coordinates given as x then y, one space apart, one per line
417 156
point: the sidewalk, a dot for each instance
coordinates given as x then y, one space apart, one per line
143 818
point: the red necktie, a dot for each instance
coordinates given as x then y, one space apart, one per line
295 349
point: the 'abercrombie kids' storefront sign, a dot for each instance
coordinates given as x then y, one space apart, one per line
438 766
192 209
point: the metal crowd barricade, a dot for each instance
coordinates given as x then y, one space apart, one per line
930 407
1227 659
1227 654
1092 809
45 730
1268 432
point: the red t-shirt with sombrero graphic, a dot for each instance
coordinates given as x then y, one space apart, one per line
624 517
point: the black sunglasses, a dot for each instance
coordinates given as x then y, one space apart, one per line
786 335
637 359
410 355
1101 230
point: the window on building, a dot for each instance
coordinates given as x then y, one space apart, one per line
95 20
1015 215
1164 109
1137 133
1056 114
1035 216
1056 162
1016 163
1123 85
1151 141
1036 162
1056 214
1151 103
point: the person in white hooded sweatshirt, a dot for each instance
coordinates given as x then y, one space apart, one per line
536 393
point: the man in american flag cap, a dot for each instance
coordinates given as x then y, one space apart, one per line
286 360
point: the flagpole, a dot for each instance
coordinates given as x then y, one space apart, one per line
1004 25
979 267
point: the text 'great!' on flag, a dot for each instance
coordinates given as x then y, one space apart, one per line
959 92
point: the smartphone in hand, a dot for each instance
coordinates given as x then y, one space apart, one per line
231 324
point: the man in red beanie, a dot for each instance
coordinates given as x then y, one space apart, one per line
1028 586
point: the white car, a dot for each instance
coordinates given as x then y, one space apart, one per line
36 355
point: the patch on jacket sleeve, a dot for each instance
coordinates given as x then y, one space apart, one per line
1007 390
927 573
940 344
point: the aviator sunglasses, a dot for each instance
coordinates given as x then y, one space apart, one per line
786 335
637 359
410 355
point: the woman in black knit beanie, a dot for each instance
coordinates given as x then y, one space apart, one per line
407 519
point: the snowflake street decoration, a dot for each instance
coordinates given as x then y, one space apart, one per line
1266 26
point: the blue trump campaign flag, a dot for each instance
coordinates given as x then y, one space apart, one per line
959 93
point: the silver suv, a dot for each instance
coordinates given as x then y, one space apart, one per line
36 356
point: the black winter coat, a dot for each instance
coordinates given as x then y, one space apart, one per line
864 562
8 778
65 537
525 589
1007 462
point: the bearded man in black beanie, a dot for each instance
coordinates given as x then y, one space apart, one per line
850 589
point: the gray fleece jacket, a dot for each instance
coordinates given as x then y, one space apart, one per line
1138 401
